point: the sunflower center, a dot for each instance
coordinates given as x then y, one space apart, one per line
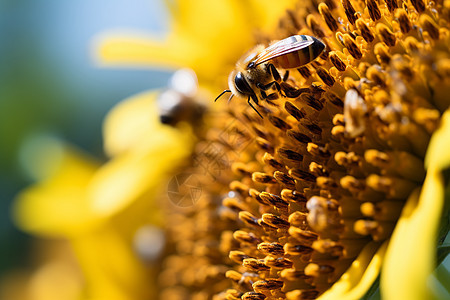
329 167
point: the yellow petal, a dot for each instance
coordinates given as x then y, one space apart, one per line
411 255
261 14
111 267
269 13
128 122
58 205
208 58
437 153
206 36
355 283
203 19
124 179
139 50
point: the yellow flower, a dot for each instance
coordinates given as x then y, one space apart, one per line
103 210
311 201
107 206
417 230
206 36
330 186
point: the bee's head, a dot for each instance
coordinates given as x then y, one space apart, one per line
239 85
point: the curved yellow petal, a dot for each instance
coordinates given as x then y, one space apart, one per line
140 51
111 267
127 177
53 211
411 256
58 205
129 121
437 153
208 58
355 283
208 20
261 14
269 13
206 36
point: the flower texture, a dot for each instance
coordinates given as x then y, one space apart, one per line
330 186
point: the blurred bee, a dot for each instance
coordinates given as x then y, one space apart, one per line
257 70
180 102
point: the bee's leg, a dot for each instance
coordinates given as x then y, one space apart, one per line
277 86
272 96
286 75
263 94
263 87
276 76
255 99
272 70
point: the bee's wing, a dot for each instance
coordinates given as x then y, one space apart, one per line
280 48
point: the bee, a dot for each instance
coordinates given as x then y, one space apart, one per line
256 72
181 101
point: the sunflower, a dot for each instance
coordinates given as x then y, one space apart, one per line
108 212
338 189
114 205
331 185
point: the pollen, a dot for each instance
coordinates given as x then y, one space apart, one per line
330 166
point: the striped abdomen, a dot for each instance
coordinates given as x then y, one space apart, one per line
301 56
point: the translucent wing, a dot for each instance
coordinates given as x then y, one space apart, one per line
288 45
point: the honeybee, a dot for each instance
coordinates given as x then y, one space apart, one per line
181 101
257 70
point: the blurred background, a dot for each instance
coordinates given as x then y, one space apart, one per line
49 84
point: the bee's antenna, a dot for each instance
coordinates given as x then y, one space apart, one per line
226 91
229 99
